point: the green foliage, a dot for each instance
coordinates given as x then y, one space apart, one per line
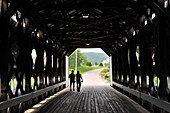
72 58
108 78
101 64
89 64
96 57
96 63
81 59
107 64
105 71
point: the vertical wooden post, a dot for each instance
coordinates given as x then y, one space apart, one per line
40 62
116 69
3 6
125 63
0 86
162 60
67 71
143 58
56 70
0 7
111 70
28 64
151 73
49 62
46 67
120 66
64 67
54 64
133 62
76 62
117 66
113 67
59 66
59 69
3 53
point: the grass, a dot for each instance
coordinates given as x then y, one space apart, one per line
83 69
105 71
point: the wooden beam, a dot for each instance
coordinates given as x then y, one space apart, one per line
88 25
43 5
89 38
70 50
161 14
106 51
38 22
4 59
112 4
15 5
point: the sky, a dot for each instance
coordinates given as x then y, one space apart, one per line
96 50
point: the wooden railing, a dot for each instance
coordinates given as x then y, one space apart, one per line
155 101
26 97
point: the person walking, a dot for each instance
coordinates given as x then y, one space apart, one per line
78 79
72 80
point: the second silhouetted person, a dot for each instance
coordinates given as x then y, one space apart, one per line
78 79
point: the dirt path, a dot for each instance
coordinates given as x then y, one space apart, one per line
92 78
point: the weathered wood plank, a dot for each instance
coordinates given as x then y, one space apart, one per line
96 102
100 104
90 100
93 98
71 106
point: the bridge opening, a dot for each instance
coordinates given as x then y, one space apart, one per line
86 59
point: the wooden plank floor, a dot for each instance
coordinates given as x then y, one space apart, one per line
91 99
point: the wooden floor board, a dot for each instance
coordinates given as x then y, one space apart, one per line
73 104
90 100
94 97
100 103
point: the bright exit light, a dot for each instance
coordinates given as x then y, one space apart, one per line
14 18
87 44
34 56
134 33
166 4
85 15
153 15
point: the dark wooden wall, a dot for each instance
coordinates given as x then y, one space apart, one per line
58 27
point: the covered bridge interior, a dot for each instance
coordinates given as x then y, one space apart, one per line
134 33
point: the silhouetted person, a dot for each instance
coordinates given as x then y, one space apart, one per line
78 79
72 78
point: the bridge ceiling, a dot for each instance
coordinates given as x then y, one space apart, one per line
84 23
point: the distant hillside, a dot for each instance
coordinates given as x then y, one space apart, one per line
96 57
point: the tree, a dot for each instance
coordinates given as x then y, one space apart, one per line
72 58
106 64
101 64
96 63
81 59
89 64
